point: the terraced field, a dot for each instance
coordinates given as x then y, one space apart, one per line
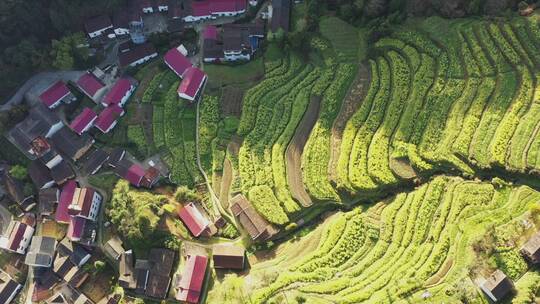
447 103
396 250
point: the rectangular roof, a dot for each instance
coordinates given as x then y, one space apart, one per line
193 219
177 61
89 84
192 82
41 251
62 172
54 93
66 196
228 256
117 92
136 53
97 23
191 282
83 120
255 224
70 144
39 173
108 116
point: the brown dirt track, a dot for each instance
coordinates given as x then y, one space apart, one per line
293 154
351 103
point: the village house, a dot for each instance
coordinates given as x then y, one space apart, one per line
75 252
189 284
177 61
119 93
41 252
497 286
84 121
212 9
149 277
126 277
135 174
281 14
146 6
12 190
30 136
238 42
113 248
192 83
57 93
44 284
95 161
531 249
40 175
98 26
48 199
70 144
78 207
162 5
256 225
108 118
194 220
121 22
17 237
62 173
9 288
90 85
227 256
137 54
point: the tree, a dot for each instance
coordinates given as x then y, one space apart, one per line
184 194
19 172
70 51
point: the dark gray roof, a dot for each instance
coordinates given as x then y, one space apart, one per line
41 251
74 251
62 172
39 174
95 160
70 144
121 19
8 289
97 23
48 198
116 155
281 15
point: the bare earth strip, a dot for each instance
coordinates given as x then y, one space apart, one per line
351 103
226 180
293 155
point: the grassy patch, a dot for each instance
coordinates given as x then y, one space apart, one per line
345 39
241 75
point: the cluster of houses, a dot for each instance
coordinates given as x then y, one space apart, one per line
498 286
152 276
232 42
193 79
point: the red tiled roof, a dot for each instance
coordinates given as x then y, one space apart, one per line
82 120
108 116
190 285
177 62
54 93
193 79
208 7
117 92
89 84
193 219
210 32
134 174
76 228
200 8
221 6
66 197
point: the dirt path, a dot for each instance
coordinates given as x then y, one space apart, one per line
351 103
293 154
226 180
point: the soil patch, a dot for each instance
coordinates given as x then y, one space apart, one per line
351 103
293 154
226 180
231 101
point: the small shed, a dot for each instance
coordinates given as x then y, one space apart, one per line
228 256
497 286
531 249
